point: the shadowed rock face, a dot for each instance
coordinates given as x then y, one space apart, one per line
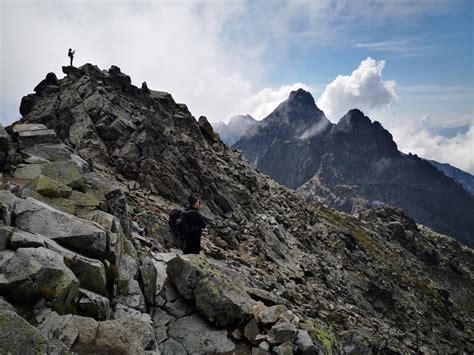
279 145
466 180
353 163
277 273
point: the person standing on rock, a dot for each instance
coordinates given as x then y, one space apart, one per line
70 54
195 225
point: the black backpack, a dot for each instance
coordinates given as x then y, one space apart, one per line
179 226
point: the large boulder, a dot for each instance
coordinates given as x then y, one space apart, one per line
35 273
17 336
90 272
199 337
5 235
27 103
71 232
154 275
93 305
7 202
50 187
85 335
128 335
29 135
220 297
68 172
60 331
129 292
48 152
31 138
50 80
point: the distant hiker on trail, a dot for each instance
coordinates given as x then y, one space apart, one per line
187 225
70 54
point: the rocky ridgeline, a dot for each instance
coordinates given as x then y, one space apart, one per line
94 152
354 165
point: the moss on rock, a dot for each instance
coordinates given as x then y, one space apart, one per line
319 334
62 204
17 336
84 199
51 188
220 297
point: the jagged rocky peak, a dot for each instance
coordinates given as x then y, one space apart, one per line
302 96
357 128
299 108
354 117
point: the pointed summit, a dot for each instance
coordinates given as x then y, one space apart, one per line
299 111
301 96
354 118
364 134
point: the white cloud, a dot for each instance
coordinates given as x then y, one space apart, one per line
363 89
174 46
262 103
458 122
418 137
436 92
211 55
426 120
406 47
462 121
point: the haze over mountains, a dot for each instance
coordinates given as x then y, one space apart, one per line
235 128
353 163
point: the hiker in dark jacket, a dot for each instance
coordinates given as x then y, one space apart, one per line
70 54
195 224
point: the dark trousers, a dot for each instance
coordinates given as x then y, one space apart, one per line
193 243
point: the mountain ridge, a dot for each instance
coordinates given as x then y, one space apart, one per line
460 176
354 162
93 153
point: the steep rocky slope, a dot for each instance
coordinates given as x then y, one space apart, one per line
352 164
92 152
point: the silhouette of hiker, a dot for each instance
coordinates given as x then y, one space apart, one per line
71 55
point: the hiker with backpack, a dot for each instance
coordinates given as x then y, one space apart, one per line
187 225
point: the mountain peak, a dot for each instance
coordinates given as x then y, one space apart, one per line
301 96
355 116
362 132
299 111
241 119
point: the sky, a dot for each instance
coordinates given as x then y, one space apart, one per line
407 64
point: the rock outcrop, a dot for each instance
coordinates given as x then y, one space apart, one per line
276 275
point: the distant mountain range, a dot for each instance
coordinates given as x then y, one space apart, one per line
232 131
352 165
458 175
